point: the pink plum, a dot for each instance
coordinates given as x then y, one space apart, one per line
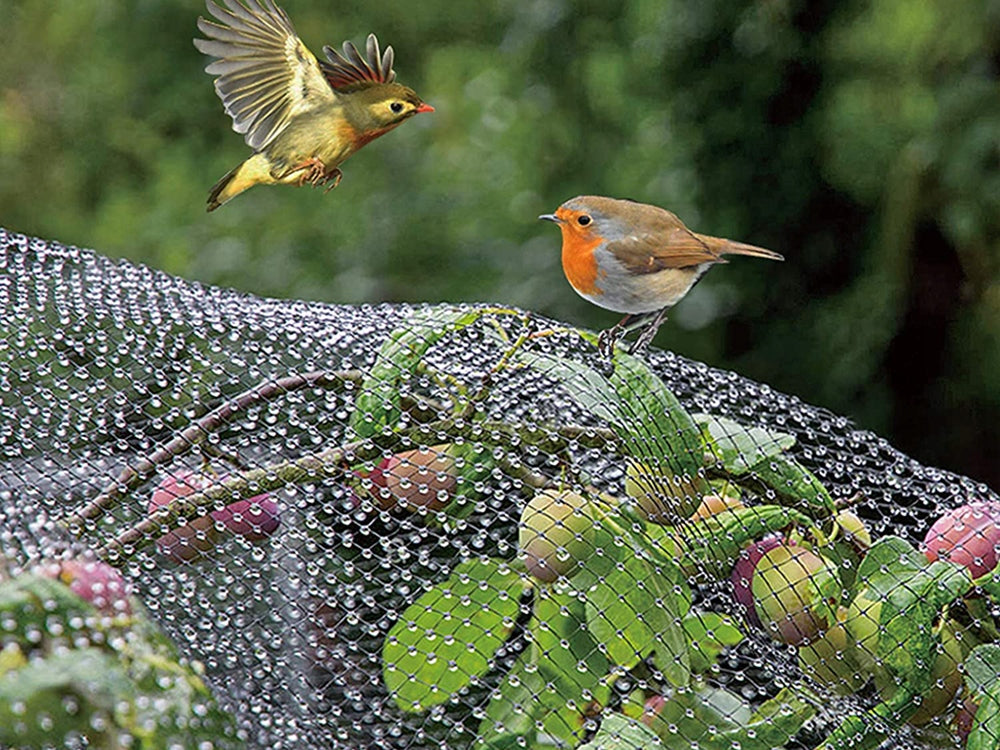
195 536
969 536
93 581
742 575
255 519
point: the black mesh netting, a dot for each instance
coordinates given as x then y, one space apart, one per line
452 527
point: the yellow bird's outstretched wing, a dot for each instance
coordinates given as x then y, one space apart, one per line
265 75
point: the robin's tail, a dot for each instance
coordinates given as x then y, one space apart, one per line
738 248
252 172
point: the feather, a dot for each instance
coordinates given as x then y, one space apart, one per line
265 75
349 68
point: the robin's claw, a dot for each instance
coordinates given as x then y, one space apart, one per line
640 344
607 339
648 333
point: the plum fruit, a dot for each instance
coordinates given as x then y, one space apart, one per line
862 623
654 706
787 590
424 478
93 581
964 720
556 534
969 536
194 537
663 498
713 505
743 570
254 519
830 660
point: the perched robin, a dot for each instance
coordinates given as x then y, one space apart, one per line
636 259
302 117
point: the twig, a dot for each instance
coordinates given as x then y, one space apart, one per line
229 457
325 464
529 478
480 394
193 435
335 462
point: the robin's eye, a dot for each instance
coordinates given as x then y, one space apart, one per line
583 220
396 107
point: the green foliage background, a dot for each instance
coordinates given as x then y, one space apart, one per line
859 138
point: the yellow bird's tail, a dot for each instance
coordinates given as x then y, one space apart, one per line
253 171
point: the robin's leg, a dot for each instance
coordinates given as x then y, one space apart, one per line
649 332
607 338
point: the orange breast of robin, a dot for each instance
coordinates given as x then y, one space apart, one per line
579 263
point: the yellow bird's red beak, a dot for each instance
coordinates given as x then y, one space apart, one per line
424 107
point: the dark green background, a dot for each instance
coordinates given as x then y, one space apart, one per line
858 138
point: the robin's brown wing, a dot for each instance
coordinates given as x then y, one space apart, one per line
671 247
265 74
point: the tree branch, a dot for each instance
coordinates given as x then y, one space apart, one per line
196 433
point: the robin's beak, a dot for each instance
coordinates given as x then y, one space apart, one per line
424 107
551 217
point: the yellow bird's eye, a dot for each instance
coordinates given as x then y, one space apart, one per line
396 107
583 220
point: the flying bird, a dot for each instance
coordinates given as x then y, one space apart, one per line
302 117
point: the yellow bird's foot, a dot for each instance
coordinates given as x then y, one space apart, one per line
335 175
311 170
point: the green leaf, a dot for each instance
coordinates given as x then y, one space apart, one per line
892 563
795 485
982 676
378 403
649 419
563 649
693 717
133 683
30 600
619 732
773 724
589 388
892 558
509 721
740 448
708 633
180 711
473 464
716 719
449 636
951 582
661 434
845 558
982 668
93 678
635 610
989 584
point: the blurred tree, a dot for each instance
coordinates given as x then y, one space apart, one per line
858 138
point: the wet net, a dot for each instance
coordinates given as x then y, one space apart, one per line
235 522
